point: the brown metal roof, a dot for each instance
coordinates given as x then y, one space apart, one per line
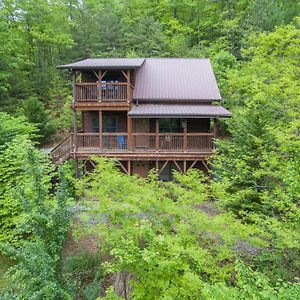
176 79
161 79
107 63
177 111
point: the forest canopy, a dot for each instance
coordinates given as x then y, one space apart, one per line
39 35
232 235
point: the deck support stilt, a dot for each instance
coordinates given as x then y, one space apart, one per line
129 168
122 167
206 166
76 167
184 167
157 167
192 165
177 166
162 168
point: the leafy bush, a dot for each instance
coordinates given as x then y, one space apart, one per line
44 219
11 127
15 143
158 238
83 275
35 274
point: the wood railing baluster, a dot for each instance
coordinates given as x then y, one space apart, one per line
109 91
140 142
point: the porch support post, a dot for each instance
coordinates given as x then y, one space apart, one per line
157 135
75 125
76 168
99 86
128 86
216 123
100 128
75 143
75 129
185 136
74 85
129 131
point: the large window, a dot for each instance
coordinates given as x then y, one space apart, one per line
171 125
110 123
95 122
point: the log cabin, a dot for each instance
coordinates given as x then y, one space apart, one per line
147 113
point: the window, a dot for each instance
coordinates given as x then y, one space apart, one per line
95 122
171 125
110 123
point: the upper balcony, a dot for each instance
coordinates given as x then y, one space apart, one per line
102 88
102 91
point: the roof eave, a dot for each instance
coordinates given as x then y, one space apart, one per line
74 68
161 116
175 100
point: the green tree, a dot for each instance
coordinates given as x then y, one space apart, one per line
156 43
44 219
15 134
36 113
257 167
35 35
265 15
264 95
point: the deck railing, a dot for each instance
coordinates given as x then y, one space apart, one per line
90 143
109 141
63 150
197 141
172 142
165 142
102 91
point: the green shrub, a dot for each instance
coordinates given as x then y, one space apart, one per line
158 234
83 275
43 222
35 274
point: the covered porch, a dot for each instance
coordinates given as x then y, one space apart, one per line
150 128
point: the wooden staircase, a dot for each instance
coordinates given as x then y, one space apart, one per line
62 151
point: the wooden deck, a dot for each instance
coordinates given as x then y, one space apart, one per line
146 142
143 146
149 156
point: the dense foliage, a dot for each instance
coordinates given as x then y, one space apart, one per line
45 218
35 214
38 35
166 240
15 143
259 165
237 237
